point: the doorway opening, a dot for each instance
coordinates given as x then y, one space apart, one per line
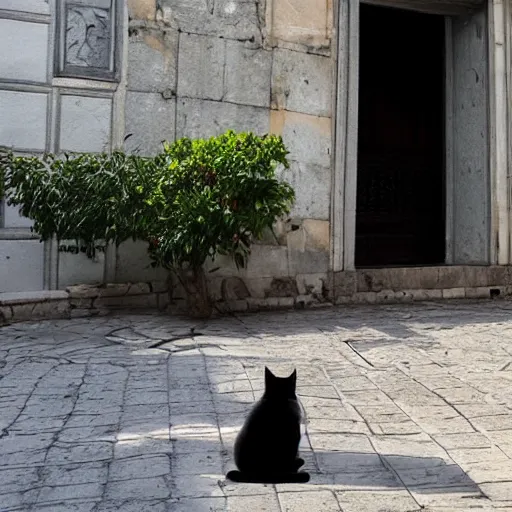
400 214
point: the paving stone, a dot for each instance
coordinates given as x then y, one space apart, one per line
469 440
60 493
451 497
379 479
376 501
68 507
307 501
442 476
142 446
197 463
197 486
199 505
75 474
341 443
150 488
490 471
90 452
134 467
265 503
131 506
18 480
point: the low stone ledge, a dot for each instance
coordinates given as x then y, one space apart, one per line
81 301
93 291
14 298
396 297
93 300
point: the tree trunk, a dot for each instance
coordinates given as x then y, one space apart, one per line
194 282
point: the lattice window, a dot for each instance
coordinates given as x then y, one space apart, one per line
87 39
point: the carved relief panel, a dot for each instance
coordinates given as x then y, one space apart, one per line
87 32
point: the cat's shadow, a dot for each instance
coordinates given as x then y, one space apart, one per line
381 471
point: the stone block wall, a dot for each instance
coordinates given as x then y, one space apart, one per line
199 67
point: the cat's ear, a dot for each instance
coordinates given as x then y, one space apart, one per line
268 375
293 376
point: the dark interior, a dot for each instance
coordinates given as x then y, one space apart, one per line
400 218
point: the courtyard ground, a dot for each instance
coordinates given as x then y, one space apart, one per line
407 408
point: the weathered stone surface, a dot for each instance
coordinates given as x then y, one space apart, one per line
83 291
257 286
247 75
133 264
307 22
201 118
282 287
50 309
480 292
267 261
308 262
13 298
344 283
81 312
129 301
226 18
234 288
308 138
142 9
454 293
201 67
317 234
5 314
94 425
296 240
312 185
114 290
159 286
138 289
149 121
163 300
152 61
233 306
311 283
426 294
301 82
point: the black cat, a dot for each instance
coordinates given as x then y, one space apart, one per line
266 449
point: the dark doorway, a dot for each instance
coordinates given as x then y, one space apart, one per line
400 218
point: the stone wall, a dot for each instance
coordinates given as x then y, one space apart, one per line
199 67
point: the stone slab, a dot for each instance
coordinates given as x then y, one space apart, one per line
150 121
201 118
152 59
247 75
201 67
301 82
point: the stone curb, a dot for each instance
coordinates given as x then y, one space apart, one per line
93 300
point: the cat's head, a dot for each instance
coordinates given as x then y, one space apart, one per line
280 387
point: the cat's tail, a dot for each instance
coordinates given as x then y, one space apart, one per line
301 477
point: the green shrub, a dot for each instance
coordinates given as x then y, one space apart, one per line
222 192
196 199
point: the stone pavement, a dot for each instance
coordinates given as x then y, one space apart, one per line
408 408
